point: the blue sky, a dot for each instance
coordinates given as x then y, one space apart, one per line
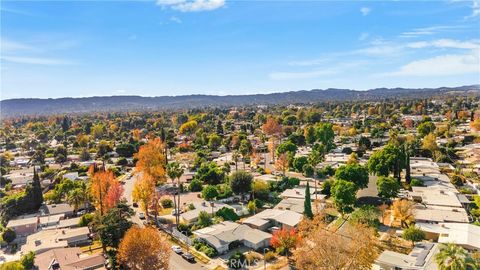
178 47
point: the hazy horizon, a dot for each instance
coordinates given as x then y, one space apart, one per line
217 47
246 94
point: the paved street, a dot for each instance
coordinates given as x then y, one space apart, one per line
176 261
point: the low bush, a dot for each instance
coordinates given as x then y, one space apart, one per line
85 219
416 182
166 203
270 256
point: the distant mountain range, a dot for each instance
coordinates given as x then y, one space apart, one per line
35 106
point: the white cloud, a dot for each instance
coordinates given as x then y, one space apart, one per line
442 65
426 31
175 19
192 5
36 61
365 11
380 50
7 45
445 43
475 9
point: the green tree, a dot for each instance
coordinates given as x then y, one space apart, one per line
210 173
343 194
299 162
214 141
204 219
227 214
308 170
245 149
241 182
308 203
387 187
35 193
9 235
326 135
209 192
27 260
195 185
76 198
113 225
175 171
285 147
309 134
413 233
354 173
125 149
426 128
389 159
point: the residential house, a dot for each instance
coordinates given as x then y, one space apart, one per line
422 257
462 234
68 259
24 226
227 235
57 209
274 218
46 240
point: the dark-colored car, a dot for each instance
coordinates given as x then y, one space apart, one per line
189 257
135 204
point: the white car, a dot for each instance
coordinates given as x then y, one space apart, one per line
141 215
177 249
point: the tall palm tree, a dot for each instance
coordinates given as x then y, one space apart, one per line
235 157
453 257
175 171
76 198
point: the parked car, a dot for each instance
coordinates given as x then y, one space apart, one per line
177 249
174 212
189 257
141 215
135 204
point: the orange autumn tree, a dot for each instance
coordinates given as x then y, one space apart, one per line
151 160
354 247
105 190
282 163
144 192
144 248
272 128
284 240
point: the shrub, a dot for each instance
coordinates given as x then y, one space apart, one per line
195 185
205 248
227 214
182 227
251 206
166 203
9 235
251 257
27 260
236 260
85 219
416 182
270 256
12 266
